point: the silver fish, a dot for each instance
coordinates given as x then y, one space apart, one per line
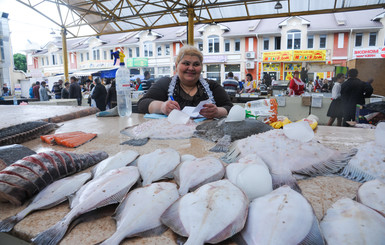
139 213
285 156
52 195
281 217
121 159
192 174
350 222
213 213
158 164
372 194
109 188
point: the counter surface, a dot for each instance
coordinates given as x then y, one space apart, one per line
321 192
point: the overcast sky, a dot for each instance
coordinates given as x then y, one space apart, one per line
26 24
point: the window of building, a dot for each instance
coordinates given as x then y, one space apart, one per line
111 55
235 69
46 61
177 47
137 52
164 71
159 50
372 38
96 54
53 59
147 47
213 44
2 49
104 55
88 56
130 52
42 61
310 41
167 49
277 43
294 40
322 41
227 45
214 73
61 59
358 42
266 43
72 58
341 37
200 46
81 57
237 45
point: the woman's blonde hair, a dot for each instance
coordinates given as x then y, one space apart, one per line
189 50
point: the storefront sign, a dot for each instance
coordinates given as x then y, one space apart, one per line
277 56
271 67
367 53
137 62
214 59
309 55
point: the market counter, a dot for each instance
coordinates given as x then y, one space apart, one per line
322 192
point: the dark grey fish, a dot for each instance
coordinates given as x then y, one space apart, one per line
226 132
11 153
26 131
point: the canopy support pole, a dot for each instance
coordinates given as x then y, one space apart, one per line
190 26
65 56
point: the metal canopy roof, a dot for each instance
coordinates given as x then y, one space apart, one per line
99 17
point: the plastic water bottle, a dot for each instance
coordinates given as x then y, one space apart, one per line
14 100
123 89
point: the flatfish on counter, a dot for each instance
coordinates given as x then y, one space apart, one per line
285 156
108 189
372 194
11 153
281 217
160 129
350 222
119 160
23 132
212 213
139 213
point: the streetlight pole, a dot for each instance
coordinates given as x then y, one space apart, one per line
65 55
190 26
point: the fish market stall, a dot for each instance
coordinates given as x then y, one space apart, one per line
321 191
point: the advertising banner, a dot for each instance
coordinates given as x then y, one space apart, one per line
309 55
370 52
271 67
277 56
137 62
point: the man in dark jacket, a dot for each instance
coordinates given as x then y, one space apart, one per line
36 91
353 92
99 95
75 91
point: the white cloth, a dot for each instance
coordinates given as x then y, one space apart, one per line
336 91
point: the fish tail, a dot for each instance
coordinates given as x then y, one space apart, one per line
285 179
233 154
115 239
7 224
53 235
222 145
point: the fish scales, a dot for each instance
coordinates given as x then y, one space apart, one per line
28 174
62 170
18 180
11 153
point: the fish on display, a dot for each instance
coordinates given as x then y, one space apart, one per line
212 213
139 213
23 132
11 153
281 217
350 222
224 132
285 156
52 195
192 174
372 194
26 177
160 129
158 164
251 175
121 159
108 189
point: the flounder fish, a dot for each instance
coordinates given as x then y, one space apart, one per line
119 160
281 217
372 194
285 156
350 222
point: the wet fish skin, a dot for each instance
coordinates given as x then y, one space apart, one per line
109 188
139 213
51 196
11 153
372 195
121 159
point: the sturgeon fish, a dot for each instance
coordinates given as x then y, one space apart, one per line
350 222
224 132
52 195
139 213
23 132
281 217
285 156
212 213
24 178
372 194
11 153
108 189
119 160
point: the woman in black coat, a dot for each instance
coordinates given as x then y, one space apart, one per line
99 95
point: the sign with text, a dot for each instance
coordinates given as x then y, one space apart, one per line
277 56
137 62
214 58
309 55
370 52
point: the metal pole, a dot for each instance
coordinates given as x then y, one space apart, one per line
190 26
65 56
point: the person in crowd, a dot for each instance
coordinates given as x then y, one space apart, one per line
43 92
353 92
57 88
240 84
325 86
36 90
231 85
335 108
186 88
250 85
99 95
65 92
75 90
138 83
107 83
5 90
147 82
317 84
296 86
111 99
309 86
266 80
31 95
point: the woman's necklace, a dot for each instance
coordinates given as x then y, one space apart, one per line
187 90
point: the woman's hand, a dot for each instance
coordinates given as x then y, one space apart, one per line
212 111
168 106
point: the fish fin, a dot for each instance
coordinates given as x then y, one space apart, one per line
355 174
53 235
233 154
93 215
7 224
171 218
285 179
136 142
314 237
328 167
157 231
116 198
222 145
